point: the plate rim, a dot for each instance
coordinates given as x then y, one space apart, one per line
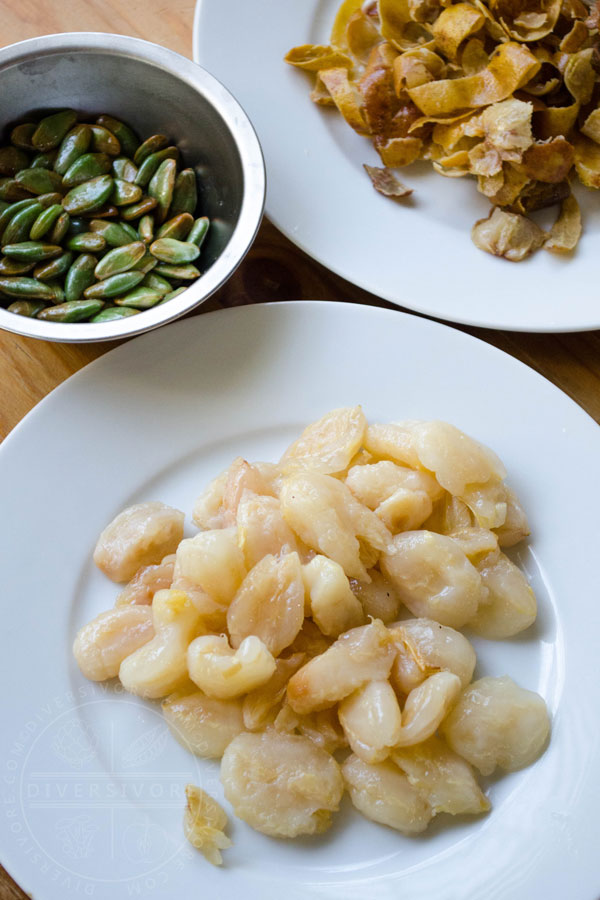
430 321
248 310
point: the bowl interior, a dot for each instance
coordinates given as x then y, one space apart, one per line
149 98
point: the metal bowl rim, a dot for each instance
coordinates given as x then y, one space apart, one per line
253 168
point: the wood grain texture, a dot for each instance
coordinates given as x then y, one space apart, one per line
274 270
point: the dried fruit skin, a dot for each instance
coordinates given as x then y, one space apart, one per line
508 235
494 79
511 66
566 231
204 823
385 182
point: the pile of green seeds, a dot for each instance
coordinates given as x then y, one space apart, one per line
94 224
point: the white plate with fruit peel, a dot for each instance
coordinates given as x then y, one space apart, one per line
93 785
417 253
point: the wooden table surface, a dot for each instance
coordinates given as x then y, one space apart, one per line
273 270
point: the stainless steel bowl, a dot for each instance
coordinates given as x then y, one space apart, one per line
154 90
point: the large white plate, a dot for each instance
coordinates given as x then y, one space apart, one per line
417 254
93 783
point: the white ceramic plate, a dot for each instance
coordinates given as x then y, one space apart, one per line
93 783
417 254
